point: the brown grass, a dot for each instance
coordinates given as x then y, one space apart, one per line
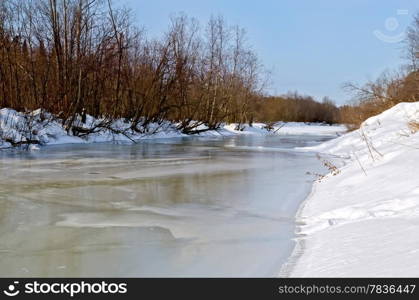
414 126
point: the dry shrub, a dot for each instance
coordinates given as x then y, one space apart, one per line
414 126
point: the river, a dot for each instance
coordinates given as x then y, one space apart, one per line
177 207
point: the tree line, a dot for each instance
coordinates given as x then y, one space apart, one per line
295 107
78 57
75 58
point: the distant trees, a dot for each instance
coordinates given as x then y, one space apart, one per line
295 107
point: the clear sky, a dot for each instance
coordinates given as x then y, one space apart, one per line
312 46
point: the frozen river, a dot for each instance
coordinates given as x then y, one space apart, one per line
179 207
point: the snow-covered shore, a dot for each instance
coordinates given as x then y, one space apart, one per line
42 129
364 221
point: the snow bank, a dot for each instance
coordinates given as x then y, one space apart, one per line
40 128
365 220
291 128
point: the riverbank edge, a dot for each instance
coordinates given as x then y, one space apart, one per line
38 128
299 239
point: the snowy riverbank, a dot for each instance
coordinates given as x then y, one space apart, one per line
41 129
364 221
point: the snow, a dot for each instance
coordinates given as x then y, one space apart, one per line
290 128
45 129
364 221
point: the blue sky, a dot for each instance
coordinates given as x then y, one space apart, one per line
310 46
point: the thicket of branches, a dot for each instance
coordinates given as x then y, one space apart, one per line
390 88
78 57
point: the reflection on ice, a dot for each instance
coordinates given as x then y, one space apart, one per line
182 207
